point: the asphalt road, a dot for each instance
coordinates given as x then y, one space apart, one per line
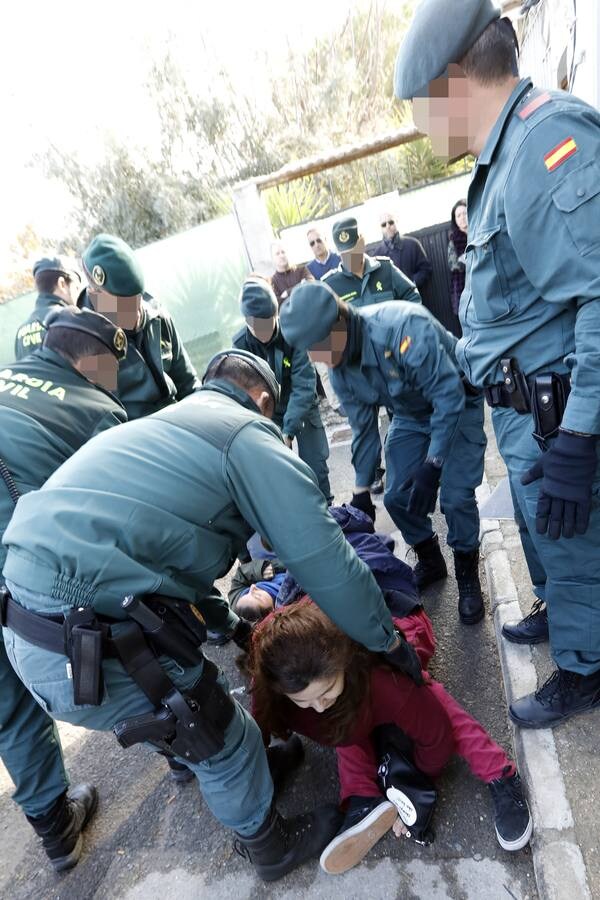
154 839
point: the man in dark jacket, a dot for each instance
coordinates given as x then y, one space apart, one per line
406 253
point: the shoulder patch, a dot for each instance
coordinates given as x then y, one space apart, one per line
405 344
534 100
560 153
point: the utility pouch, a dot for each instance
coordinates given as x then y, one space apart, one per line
156 727
549 395
515 385
84 645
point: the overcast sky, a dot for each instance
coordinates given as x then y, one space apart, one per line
72 72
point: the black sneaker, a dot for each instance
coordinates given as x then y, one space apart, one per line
532 629
563 695
366 821
431 566
513 820
281 845
60 829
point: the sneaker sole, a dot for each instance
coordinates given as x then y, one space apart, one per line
347 849
519 842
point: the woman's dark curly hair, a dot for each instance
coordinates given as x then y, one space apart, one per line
297 645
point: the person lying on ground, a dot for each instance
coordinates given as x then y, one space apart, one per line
310 678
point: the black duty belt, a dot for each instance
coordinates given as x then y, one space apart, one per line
518 390
50 632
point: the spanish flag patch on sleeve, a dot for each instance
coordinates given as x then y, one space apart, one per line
406 342
563 151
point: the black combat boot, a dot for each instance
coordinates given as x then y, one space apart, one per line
60 829
470 600
563 695
282 844
533 629
283 757
431 565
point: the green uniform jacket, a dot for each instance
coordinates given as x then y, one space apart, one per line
165 504
157 370
248 574
30 335
381 281
406 364
294 372
47 411
532 287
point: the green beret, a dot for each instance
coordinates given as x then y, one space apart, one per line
260 366
345 233
63 265
308 315
440 33
257 299
111 265
92 323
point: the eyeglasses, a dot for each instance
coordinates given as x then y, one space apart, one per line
316 241
389 222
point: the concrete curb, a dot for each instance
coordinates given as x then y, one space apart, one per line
557 859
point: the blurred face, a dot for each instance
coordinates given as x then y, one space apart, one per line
280 260
320 694
354 260
460 217
388 226
331 350
263 329
262 599
317 244
101 369
122 311
446 114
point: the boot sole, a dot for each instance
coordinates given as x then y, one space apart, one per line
519 842
350 847
62 863
523 723
512 639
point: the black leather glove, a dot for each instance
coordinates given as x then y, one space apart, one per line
242 634
567 471
363 501
423 485
404 657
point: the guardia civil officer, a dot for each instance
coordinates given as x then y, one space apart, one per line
297 412
58 281
530 312
157 370
51 403
399 356
175 497
362 279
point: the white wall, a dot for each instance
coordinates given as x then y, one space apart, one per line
412 210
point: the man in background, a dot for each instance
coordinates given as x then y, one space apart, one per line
324 259
285 277
406 253
58 282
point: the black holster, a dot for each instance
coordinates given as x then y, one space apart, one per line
549 394
83 641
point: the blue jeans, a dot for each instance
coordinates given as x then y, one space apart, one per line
29 745
571 566
406 448
236 782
